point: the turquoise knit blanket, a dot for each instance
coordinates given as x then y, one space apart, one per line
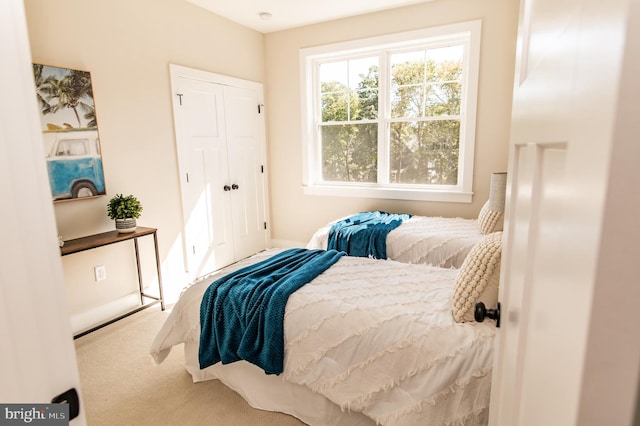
364 234
242 313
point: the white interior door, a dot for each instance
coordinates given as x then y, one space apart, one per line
564 127
246 174
37 358
204 170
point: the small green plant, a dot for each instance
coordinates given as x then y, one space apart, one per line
124 207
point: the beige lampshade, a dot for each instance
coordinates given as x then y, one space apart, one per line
497 191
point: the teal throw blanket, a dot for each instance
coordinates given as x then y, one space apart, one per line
364 234
242 313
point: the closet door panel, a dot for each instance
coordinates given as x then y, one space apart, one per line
204 172
244 142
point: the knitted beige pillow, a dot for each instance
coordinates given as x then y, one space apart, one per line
478 278
490 220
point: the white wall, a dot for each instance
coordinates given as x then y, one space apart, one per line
127 46
294 215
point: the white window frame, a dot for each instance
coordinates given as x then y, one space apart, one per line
467 33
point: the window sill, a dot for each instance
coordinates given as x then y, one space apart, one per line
389 193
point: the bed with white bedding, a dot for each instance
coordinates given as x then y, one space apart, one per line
437 241
433 240
365 342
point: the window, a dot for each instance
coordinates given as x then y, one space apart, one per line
73 147
392 116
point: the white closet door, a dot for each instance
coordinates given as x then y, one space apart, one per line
244 141
221 150
203 173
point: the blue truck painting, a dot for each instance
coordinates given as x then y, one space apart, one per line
74 164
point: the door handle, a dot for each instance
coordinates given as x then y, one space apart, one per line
481 312
69 397
234 187
226 188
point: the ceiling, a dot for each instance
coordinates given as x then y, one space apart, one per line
286 14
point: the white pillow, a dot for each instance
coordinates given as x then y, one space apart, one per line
478 278
490 220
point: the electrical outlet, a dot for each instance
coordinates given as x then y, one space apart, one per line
100 273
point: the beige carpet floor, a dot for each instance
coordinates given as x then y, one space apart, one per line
121 385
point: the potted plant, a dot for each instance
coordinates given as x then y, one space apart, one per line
124 210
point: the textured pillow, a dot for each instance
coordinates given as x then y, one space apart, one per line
478 278
490 220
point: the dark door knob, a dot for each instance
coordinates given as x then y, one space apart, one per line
234 187
226 188
481 312
69 397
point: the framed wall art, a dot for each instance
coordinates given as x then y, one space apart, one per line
70 132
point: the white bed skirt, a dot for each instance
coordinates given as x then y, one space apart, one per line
272 393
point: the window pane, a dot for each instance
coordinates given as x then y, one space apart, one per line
407 68
425 152
367 108
407 101
364 82
349 89
443 99
335 106
426 83
349 152
334 72
363 73
445 63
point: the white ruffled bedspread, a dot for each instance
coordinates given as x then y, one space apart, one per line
437 241
376 337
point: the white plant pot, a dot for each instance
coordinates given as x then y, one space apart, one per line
126 225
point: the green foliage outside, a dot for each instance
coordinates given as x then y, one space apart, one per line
424 138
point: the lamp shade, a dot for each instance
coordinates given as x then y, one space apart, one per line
497 191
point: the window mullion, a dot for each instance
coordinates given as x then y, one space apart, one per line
384 112
316 145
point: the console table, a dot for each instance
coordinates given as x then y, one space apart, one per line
100 240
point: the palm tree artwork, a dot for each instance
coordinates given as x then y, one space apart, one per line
70 132
61 89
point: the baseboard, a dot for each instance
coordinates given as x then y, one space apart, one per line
87 319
